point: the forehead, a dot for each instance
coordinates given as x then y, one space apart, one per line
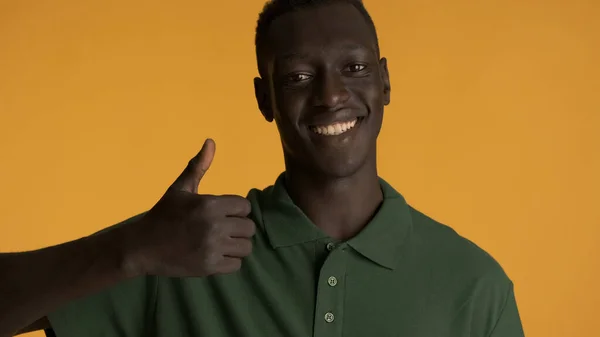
320 27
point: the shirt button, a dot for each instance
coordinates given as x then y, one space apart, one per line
332 281
329 317
330 246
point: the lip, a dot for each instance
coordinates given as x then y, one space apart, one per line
340 116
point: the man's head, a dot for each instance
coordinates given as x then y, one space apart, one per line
322 81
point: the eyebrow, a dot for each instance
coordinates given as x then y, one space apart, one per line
295 55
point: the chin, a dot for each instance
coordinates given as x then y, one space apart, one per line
337 168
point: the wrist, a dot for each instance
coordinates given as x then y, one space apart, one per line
128 252
121 241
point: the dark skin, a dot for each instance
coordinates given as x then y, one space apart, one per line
185 234
325 68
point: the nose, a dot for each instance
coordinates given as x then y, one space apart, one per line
331 92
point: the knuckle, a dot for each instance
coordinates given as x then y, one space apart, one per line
207 204
207 244
215 231
212 239
210 259
192 162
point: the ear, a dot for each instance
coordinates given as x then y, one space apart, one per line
261 91
385 77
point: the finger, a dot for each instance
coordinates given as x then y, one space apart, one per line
191 176
238 227
233 205
228 265
237 247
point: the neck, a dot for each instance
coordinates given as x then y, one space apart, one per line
341 207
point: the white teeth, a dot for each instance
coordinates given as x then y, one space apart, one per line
334 129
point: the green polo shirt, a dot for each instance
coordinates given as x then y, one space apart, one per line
403 275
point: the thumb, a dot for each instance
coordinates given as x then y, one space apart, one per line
191 176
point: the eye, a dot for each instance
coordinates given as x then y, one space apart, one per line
356 67
299 77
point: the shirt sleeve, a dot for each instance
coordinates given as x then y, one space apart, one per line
123 310
509 323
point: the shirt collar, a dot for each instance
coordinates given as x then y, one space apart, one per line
285 223
380 241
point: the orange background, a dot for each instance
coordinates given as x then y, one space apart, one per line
493 127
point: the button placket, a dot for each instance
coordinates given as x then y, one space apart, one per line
330 294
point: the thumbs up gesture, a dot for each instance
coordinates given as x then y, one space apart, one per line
187 234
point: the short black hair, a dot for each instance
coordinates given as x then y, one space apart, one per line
276 8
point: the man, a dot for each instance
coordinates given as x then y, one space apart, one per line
329 250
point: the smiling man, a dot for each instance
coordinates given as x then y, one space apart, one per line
330 249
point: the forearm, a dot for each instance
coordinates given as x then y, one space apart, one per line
33 284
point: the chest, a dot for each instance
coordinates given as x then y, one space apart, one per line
305 293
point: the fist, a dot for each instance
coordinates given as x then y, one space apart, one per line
187 234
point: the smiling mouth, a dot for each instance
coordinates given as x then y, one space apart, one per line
335 129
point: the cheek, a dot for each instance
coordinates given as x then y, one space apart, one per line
290 105
369 90
374 96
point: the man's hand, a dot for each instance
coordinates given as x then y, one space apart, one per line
184 234
187 234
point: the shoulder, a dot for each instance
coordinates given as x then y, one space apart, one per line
458 271
452 253
464 276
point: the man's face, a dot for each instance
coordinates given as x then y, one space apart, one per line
326 88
